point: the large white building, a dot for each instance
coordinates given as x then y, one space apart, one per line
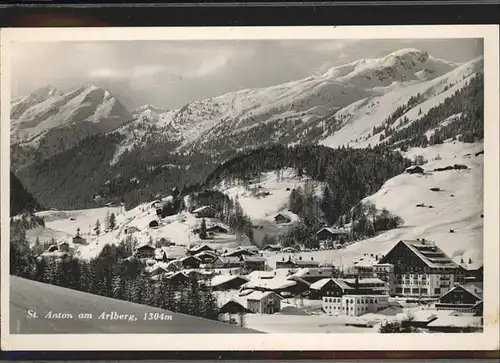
417 268
355 305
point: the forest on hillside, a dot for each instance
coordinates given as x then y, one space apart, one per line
467 103
21 201
75 178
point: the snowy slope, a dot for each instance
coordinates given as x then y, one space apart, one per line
401 194
360 117
177 228
49 108
261 207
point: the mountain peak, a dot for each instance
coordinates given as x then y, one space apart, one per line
42 93
407 55
149 107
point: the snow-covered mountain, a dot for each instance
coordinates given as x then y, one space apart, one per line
310 109
47 108
149 112
49 121
359 118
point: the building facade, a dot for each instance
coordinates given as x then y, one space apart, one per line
420 269
385 272
355 305
462 298
263 302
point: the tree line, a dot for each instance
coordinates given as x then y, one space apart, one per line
113 274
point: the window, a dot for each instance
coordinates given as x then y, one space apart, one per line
371 301
376 302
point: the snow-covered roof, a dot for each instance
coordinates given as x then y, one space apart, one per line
223 297
199 247
274 246
473 266
318 285
205 207
292 217
333 230
228 259
475 288
275 283
429 253
463 321
182 259
173 252
259 295
206 253
413 167
366 261
313 272
222 279
248 248
342 284
261 274
144 245
254 259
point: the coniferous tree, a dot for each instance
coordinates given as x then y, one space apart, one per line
203 229
112 221
97 227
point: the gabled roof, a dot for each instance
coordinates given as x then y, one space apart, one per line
318 285
182 259
259 295
237 252
206 253
429 253
275 246
248 248
305 262
222 279
313 271
173 252
333 230
145 245
473 266
178 273
340 283
254 259
475 289
205 207
228 259
200 247
455 321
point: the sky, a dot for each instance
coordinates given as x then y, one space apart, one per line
170 74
